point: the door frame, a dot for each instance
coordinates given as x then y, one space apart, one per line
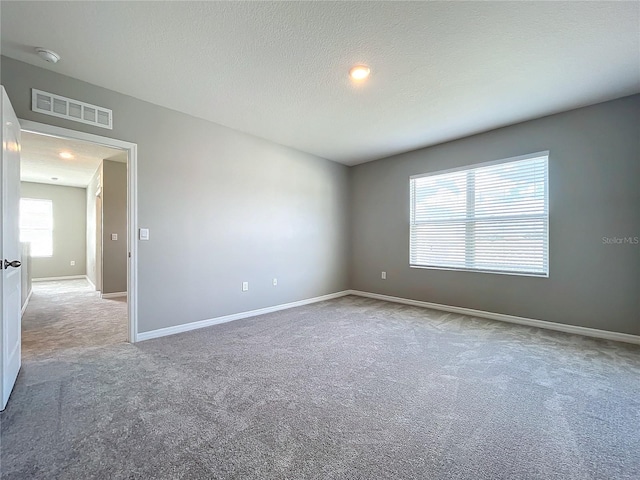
132 204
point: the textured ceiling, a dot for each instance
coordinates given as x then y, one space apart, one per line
40 160
278 70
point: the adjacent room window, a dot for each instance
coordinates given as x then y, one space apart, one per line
491 217
36 225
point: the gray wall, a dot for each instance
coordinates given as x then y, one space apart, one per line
222 207
69 227
94 220
114 220
594 170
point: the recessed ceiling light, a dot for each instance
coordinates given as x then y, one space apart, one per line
359 73
66 155
48 55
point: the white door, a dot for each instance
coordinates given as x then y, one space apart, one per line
9 250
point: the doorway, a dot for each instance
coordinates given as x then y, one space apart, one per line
108 272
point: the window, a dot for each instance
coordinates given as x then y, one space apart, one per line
36 225
491 218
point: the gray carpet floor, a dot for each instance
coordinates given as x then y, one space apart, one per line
350 388
69 314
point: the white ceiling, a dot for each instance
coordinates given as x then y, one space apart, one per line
40 160
278 70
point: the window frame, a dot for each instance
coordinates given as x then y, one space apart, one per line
50 230
412 206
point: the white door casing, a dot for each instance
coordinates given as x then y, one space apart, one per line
10 251
132 204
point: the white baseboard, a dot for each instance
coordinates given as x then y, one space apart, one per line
529 322
93 285
26 302
162 332
50 279
113 295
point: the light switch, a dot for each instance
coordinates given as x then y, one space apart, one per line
114 236
144 234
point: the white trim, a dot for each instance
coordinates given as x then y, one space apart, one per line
132 203
59 132
113 295
528 156
132 264
90 282
51 279
501 317
26 302
163 332
473 270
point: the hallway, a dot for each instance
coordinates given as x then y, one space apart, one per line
69 314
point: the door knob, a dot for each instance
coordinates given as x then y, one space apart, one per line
14 264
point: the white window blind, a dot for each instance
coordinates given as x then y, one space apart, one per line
36 225
492 217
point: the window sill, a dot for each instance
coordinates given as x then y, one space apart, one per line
473 270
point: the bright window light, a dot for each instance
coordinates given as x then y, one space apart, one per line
491 217
36 225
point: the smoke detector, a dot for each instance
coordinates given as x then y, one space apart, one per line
48 55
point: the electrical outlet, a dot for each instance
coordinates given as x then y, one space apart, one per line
245 286
384 275
275 282
72 263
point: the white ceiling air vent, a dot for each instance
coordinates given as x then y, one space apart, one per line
63 107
